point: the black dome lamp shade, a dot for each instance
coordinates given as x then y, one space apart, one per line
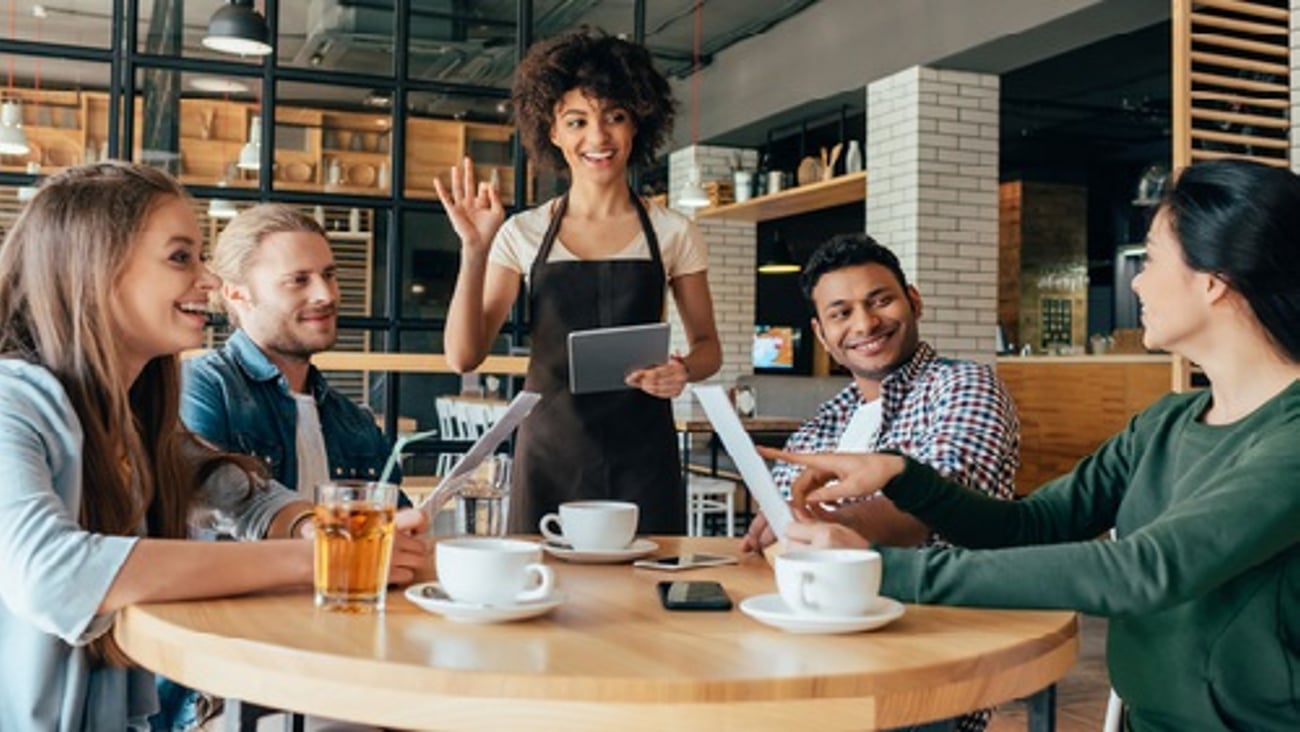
774 257
238 29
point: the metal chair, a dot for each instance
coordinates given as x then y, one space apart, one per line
705 496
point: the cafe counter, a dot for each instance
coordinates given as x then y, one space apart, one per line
1069 405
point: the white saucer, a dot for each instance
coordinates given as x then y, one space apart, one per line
772 610
635 550
437 602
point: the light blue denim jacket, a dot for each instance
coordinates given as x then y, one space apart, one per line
54 574
237 399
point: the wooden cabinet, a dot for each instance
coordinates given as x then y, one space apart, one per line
433 146
316 149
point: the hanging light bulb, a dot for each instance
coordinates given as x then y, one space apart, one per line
250 156
693 195
238 28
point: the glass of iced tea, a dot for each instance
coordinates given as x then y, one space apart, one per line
354 543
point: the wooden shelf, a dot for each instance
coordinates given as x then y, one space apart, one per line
825 194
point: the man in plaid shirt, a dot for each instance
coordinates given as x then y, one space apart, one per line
954 415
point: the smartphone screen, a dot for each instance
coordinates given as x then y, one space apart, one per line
705 595
685 561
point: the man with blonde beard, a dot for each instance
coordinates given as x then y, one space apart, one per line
259 394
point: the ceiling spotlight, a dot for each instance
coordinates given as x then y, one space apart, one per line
239 29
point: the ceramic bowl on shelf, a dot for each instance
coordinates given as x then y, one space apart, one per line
61 155
362 174
297 172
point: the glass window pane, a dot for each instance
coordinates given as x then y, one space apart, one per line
463 43
82 23
431 260
362 386
443 128
202 128
349 36
63 110
333 138
615 17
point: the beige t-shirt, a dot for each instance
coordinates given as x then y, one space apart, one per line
680 244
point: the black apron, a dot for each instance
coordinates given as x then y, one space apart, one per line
615 445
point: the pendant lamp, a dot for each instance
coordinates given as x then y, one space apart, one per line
13 140
250 156
774 257
693 195
237 28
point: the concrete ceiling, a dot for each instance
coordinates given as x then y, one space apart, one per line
769 63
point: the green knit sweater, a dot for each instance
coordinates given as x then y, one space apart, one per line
1202 587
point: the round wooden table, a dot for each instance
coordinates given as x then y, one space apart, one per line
609 658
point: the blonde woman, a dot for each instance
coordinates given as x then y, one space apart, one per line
101 285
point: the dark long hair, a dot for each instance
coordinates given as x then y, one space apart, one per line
59 268
1240 220
605 67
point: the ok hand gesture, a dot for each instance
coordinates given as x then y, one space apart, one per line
475 210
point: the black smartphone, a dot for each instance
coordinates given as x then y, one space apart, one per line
697 595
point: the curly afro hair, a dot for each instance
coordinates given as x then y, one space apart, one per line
617 72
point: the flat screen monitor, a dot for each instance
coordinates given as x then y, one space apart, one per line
775 346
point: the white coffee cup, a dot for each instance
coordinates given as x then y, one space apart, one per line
591 526
493 571
838 582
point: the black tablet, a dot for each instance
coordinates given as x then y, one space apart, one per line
601 359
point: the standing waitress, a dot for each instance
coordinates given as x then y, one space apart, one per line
596 257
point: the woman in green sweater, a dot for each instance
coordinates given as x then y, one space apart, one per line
1202 585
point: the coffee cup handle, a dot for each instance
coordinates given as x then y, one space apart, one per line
805 602
545 583
552 536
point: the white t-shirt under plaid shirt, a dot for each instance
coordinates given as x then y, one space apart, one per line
953 415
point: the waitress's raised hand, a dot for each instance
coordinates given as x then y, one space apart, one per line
475 209
834 476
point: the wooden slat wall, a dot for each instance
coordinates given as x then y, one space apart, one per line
1068 408
1232 89
1232 81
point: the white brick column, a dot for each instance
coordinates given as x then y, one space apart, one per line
932 162
732 260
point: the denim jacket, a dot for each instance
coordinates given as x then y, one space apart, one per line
238 400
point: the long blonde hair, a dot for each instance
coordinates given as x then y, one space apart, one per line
59 268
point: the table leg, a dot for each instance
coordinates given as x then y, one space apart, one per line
1042 710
